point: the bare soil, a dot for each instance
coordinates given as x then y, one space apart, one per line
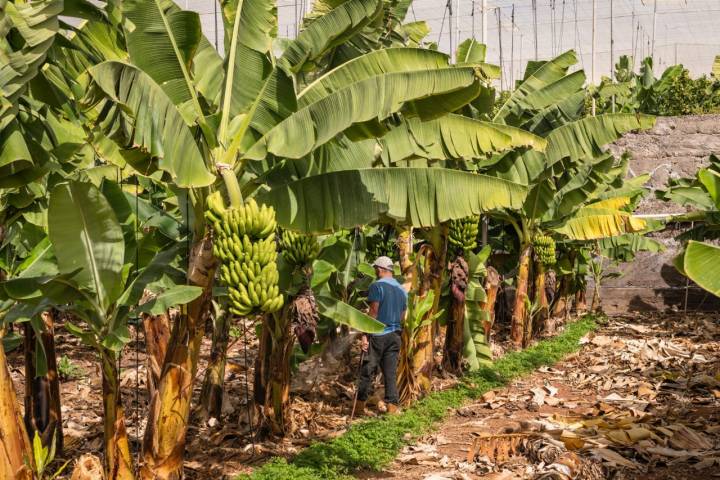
640 400
655 376
218 448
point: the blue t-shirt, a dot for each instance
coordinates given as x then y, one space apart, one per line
393 302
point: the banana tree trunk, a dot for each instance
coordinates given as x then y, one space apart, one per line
407 267
406 381
543 314
529 326
561 303
118 461
580 302
211 396
492 284
276 348
454 333
157 336
42 392
15 447
519 317
164 441
596 305
261 378
422 362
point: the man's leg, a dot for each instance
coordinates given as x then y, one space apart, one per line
368 369
389 364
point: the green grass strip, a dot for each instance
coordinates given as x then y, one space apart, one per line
373 444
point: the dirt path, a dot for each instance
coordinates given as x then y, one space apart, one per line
640 400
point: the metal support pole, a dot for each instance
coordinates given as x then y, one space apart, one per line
534 7
499 22
457 23
592 62
484 22
612 52
472 17
450 28
612 43
632 37
652 48
512 49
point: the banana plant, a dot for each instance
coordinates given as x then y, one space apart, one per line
31 146
306 281
674 93
612 251
702 195
239 129
371 180
86 273
476 313
570 175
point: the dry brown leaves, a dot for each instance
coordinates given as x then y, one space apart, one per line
641 400
651 399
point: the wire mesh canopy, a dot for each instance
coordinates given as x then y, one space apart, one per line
672 31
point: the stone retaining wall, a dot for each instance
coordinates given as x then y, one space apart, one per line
675 147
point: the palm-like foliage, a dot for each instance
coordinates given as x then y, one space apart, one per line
702 195
573 172
164 115
350 123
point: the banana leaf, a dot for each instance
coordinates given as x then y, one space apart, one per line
158 127
388 60
162 42
345 314
470 51
590 223
375 98
700 265
476 350
586 138
87 240
329 30
546 74
35 24
421 197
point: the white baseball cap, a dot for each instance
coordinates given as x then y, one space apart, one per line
383 262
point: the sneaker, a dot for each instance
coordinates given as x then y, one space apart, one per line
392 409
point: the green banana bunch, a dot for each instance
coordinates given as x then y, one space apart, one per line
245 244
462 235
297 248
381 245
544 247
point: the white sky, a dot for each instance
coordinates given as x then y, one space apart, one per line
686 31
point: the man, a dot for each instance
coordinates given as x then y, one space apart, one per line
388 304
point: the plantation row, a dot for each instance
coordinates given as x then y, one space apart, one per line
147 181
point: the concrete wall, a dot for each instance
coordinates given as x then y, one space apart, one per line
675 147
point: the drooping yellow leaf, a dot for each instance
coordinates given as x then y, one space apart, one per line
591 223
615 203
